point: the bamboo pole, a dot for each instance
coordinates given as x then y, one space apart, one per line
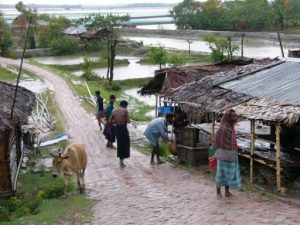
252 122
213 122
92 97
156 100
278 168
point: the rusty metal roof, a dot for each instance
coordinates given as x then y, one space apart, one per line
280 83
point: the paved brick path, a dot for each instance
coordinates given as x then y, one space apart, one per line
140 194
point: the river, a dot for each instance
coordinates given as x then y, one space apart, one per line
252 48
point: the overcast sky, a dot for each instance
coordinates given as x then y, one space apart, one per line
87 2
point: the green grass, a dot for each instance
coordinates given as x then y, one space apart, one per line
94 65
6 75
9 76
186 58
72 209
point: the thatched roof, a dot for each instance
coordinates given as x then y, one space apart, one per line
209 94
170 78
23 107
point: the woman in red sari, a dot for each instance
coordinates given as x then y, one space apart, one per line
228 172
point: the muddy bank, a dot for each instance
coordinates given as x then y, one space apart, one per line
195 34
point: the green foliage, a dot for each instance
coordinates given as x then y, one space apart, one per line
22 205
163 149
65 45
94 45
175 60
87 68
4 214
107 24
158 56
220 46
252 15
113 86
46 34
29 198
56 188
6 40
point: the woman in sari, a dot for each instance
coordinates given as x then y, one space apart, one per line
228 172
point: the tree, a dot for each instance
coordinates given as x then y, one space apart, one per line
108 24
28 13
54 30
220 46
158 56
175 60
6 40
185 14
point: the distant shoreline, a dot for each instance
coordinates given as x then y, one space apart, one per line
196 34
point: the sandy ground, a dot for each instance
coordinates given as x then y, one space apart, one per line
140 194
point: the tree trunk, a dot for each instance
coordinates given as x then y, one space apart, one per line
279 39
112 59
242 45
108 60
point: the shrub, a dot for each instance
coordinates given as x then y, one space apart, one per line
4 214
93 45
87 69
174 60
113 86
65 45
56 188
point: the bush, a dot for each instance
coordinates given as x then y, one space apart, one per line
174 60
113 86
4 214
65 45
56 188
163 149
21 205
87 69
93 45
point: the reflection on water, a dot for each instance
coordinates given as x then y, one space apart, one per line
64 60
130 71
147 99
257 49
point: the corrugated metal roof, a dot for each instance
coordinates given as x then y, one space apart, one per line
281 83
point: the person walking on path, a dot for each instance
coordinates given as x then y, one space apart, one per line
100 109
156 129
109 130
120 117
228 172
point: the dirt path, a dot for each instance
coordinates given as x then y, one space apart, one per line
140 194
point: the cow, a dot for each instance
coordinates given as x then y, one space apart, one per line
73 160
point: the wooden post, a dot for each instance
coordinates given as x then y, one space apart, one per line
156 100
252 123
213 122
278 168
242 45
279 39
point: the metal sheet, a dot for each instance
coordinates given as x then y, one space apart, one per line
280 83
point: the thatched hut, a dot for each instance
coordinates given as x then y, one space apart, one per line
168 79
11 133
267 91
